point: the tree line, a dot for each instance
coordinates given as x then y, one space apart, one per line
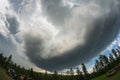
102 65
7 63
105 64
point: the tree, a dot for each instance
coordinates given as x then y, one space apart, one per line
31 72
55 76
118 46
85 71
98 65
111 58
94 70
78 71
114 53
8 61
1 59
104 60
71 71
79 74
67 72
118 51
55 73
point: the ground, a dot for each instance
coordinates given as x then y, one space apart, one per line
3 75
103 77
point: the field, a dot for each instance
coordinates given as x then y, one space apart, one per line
103 77
3 75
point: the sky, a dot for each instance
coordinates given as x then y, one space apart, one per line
58 34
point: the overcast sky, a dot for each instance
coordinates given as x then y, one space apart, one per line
57 34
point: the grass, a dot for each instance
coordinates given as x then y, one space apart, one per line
3 75
103 77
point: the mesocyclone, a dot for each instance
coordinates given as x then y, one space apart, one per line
58 34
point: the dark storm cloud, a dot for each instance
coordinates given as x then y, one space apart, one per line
105 31
33 44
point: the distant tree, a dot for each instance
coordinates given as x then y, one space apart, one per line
94 70
114 53
98 65
118 47
101 64
118 52
79 74
1 59
55 73
31 72
104 59
85 71
8 61
55 76
71 71
1 55
9 58
67 72
111 58
78 71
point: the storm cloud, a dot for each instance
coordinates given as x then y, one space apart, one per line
60 34
105 31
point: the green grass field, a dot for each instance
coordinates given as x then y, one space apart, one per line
103 77
3 75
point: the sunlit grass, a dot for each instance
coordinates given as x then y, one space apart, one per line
104 77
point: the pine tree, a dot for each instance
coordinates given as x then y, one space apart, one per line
1 59
8 61
104 60
118 51
78 71
68 72
98 65
111 58
71 71
55 76
114 53
85 71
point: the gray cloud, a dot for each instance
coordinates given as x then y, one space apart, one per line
105 31
23 7
55 12
16 4
83 31
12 24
